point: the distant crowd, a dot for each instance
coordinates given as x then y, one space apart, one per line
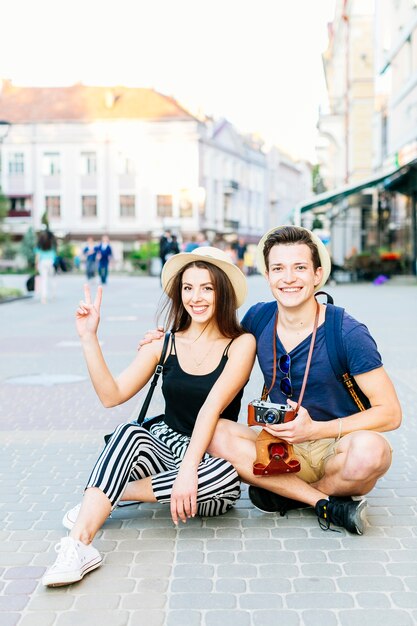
97 257
239 252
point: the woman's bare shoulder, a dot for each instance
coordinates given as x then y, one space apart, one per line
152 349
247 340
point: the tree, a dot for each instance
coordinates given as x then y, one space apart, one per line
27 247
45 220
4 210
316 180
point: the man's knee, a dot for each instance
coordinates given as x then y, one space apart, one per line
368 456
220 443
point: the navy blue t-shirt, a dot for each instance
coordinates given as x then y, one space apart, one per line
325 397
105 253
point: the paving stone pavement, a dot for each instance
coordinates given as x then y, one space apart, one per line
242 569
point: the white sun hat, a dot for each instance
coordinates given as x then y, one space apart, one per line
207 254
325 261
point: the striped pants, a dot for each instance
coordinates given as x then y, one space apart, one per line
133 453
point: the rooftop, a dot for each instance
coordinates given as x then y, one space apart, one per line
83 103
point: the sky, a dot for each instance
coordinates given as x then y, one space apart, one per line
255 62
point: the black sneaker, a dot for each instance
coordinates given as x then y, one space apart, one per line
269 502
348 513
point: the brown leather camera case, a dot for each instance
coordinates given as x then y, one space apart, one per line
273 455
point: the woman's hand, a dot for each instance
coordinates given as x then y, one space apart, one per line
88 313
184 495
298 430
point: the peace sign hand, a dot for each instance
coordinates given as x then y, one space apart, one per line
87 315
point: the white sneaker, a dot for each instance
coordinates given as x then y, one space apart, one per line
70 516
74 560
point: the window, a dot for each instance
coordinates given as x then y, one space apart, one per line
89 206
51 164
88 163
17 163
127 206
53 206
186 205
17 204
202 195
126 165
164 206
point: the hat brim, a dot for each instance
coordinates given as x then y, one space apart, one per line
176 263
325 261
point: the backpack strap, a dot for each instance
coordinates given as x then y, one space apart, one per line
263 316
338 358
334 344
328 296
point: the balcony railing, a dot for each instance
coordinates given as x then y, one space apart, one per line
232 224
20 213
230 186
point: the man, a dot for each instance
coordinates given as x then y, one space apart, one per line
89 254
165 242
241 249
341 450
104 253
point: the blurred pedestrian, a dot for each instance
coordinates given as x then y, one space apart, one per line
173 247
202 240
77 259
191 245
90 254
104 254
164 246
241 249
231 253
45 255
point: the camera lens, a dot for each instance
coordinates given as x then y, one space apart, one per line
271 416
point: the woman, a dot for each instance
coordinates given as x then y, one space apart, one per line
44 261
209 361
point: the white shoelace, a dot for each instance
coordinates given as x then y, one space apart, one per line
67 553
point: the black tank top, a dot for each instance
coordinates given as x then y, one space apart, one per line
185 393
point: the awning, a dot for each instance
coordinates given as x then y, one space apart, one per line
388 180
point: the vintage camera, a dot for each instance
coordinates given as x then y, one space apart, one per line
261 412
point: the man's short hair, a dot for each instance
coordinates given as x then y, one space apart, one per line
288 236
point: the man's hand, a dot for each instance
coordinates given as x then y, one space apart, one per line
300 429
151 335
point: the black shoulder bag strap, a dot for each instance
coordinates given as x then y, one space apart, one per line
158 371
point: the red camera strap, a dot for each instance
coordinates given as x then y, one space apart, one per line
265 391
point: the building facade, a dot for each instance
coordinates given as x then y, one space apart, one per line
129 163
371 200
395 125
345 127
289 183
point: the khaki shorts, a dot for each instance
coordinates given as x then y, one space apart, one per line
313 456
